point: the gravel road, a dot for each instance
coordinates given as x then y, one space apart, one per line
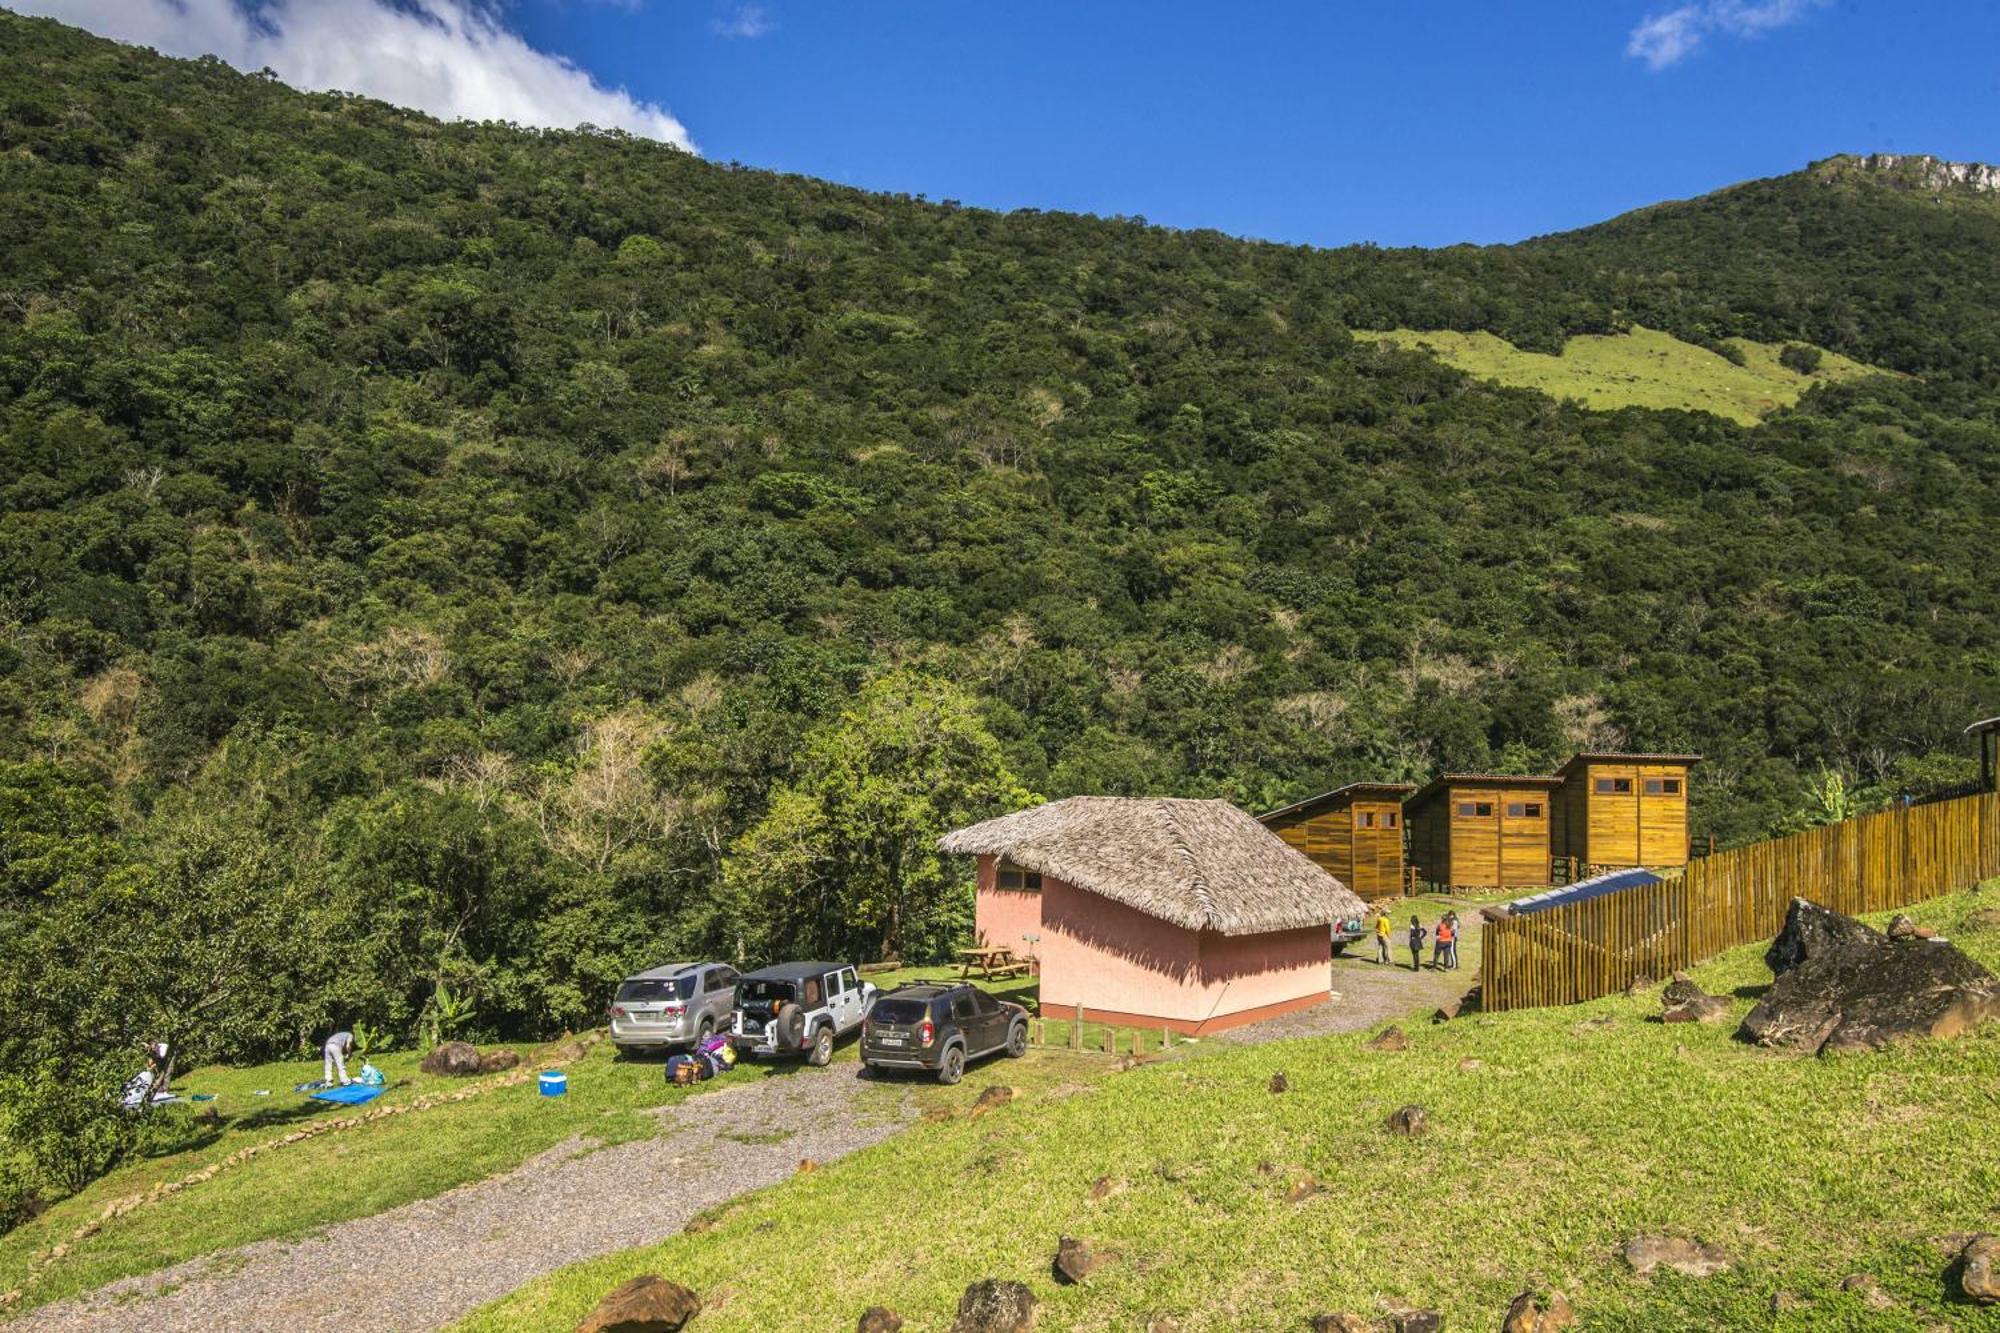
481 1241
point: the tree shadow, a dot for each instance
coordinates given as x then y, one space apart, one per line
1751 992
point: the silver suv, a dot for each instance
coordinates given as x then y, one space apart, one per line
676 1005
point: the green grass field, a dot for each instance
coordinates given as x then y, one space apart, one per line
1640 368
1544 1158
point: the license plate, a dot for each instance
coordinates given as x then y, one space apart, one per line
892 1041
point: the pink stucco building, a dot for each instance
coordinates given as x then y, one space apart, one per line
1177 913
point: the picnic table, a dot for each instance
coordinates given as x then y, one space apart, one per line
993 964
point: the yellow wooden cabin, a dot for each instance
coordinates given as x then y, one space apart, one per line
1617 810
1354 833
1481 830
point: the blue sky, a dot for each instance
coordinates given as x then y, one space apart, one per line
1399 121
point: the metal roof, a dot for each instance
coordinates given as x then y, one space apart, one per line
1398 789
1984 724
792 971
1443 780
1584 890
1626 756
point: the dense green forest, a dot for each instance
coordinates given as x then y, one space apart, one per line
466 556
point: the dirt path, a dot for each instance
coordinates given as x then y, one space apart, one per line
424 1264
1371 992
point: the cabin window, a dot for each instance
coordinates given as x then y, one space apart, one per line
1016 880
1389 819
1367 819
1663 786
1524 809
1614 786
1475 809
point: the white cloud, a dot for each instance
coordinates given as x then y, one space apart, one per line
743 20
1664 39
452 58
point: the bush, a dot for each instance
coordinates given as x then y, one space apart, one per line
1799 358
20 1199
65 1119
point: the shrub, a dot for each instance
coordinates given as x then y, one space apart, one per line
65 1119
1799 358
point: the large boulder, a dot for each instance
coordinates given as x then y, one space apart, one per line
994 1305
1843 986
1528 1315
879 1319
646 1304
495 1062
1979 1269
456 1059
1074 1261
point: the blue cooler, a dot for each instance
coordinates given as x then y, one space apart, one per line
554 1084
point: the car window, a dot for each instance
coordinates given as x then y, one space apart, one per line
812 992
849 980
899 1011
836 983
718 980
646 989
765 992
961 1006
985 1003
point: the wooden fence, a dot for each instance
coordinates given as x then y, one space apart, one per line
1580 951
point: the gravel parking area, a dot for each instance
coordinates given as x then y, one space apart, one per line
427 1263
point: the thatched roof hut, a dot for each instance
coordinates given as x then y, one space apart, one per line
1201 865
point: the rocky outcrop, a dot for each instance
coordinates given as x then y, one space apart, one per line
1528 1315
992 1098
1979 1269
1409 1121
1700 1009
496 1062
647 1304
994 1305
1074 1261
454 1059
879 1319
1388 1039
1843 986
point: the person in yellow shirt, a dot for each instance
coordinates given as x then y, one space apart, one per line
1381 935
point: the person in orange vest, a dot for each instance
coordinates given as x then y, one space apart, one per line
1445 937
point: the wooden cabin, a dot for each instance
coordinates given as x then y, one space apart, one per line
1481 830
1986 734
1354 833
1617 810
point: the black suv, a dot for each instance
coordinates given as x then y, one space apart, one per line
937 1027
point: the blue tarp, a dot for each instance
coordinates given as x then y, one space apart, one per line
1584 890
352 1095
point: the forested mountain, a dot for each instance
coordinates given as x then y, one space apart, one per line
464 554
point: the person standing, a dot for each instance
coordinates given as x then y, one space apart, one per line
1451 954
1416 944
1382 927
338 1047
1445 936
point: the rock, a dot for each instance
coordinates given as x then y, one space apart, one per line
994 1095
1679 992
1302 1189
806 1166
1160 1323
648 1304
1104 1187
498 1062
1527 1315
1074 1261
879 1319
1847 987
565 1052
1408 1120
1986 918
1341 1323
1692 1257
1926 933
1468 1064
994 1305
1701 1009
454 1059
1640 984
1979 1268
1870 1290
1783 1302
1901 928
1388 1039
1416 1321
1279 1083
1467 1003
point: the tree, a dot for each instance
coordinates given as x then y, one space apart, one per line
846 858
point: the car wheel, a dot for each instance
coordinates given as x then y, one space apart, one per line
952 1067
705 1031
822 1047
1017 1041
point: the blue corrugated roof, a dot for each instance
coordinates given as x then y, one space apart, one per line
1584 890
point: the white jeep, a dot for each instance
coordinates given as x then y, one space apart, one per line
799 1009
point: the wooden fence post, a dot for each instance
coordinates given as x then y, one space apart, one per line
1076 1029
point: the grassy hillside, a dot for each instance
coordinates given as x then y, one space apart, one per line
1575 1130
1638 368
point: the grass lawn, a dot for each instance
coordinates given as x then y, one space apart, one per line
303 1187
1562 1142
1640 368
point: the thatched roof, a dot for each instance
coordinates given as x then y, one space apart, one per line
1203 865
